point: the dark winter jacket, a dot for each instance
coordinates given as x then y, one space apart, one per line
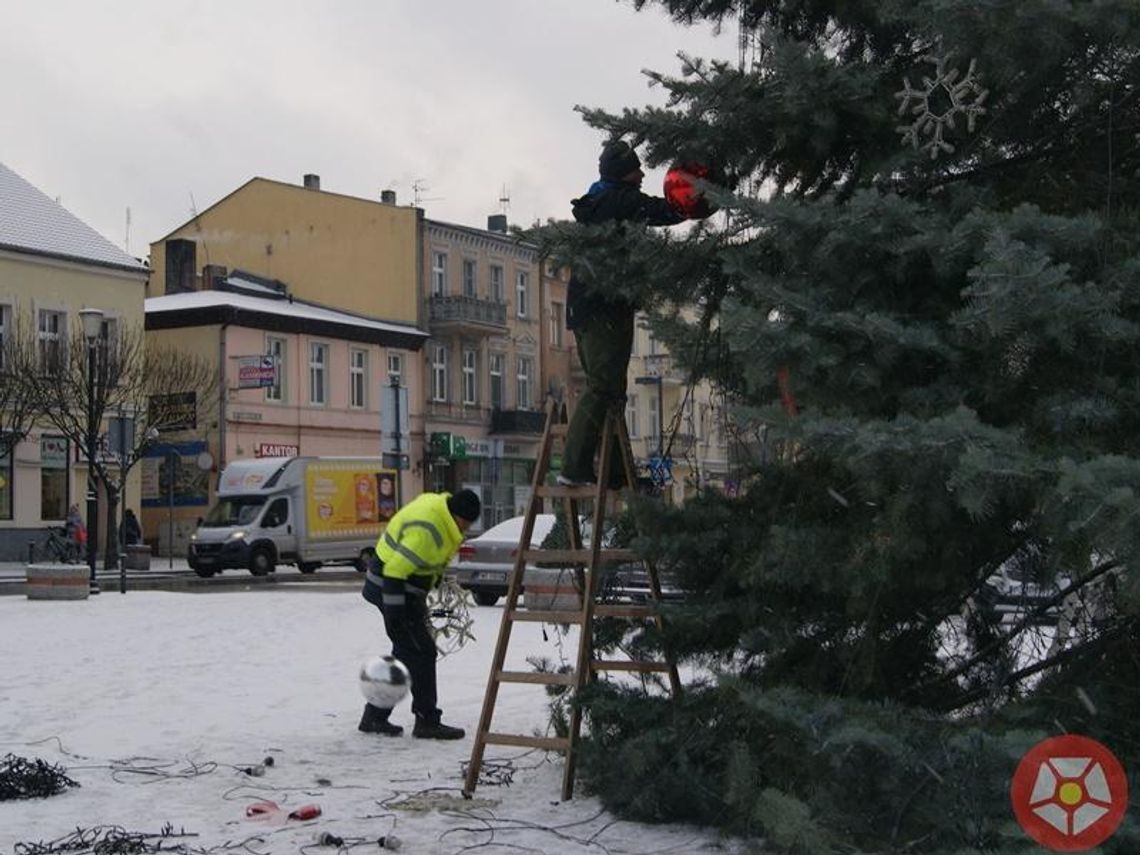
611 201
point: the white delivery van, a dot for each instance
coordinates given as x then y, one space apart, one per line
306 511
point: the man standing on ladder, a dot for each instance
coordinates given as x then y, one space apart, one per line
603 323
413 551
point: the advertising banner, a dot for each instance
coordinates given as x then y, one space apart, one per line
346 500
256 372
174 465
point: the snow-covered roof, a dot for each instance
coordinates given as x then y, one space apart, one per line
31 222
250 282
200 303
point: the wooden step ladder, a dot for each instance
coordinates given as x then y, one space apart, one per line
589 561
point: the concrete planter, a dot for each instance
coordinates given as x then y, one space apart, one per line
137 557
550 589
57 582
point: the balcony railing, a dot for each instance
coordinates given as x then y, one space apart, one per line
676 445
450 411
518 421
467 312
659 365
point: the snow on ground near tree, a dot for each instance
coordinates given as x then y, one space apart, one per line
139 696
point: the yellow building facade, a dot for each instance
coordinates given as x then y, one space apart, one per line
52 265
358 255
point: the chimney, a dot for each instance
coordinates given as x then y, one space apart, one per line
497 223
388 197
312 182
212 274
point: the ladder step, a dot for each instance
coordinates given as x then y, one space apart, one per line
546 678
586 491
622 665
550 743
578 556
622 610
543 616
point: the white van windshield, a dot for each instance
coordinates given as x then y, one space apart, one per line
235 510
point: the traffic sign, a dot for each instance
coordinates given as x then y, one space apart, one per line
1069 793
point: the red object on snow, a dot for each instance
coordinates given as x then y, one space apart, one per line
267 810
305 812
261 810
682 194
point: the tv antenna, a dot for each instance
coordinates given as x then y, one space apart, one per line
418 186
127 240
504 200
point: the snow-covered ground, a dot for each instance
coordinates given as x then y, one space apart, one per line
155 702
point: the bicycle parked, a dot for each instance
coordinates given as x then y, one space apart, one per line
61 548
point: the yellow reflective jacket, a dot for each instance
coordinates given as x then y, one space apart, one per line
419 541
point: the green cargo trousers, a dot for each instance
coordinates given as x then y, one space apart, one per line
604 345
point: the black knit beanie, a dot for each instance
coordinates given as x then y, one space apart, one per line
618 160
465 505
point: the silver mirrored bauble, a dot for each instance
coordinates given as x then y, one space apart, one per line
384 681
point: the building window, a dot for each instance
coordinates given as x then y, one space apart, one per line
497 284
396 368
275 347
496 365
5 341
522 281
469 286
50 332
53 478
438 274
557 324
318 373
654 418
439 373
469 377
631 416
524 383
358 378
654 344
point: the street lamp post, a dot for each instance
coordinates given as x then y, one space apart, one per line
92 327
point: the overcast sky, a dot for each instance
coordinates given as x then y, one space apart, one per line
164 108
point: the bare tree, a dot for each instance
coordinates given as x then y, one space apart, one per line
149 386
17 398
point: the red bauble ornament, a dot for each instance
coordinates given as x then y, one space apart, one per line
682 194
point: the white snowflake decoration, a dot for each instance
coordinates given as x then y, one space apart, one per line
935 105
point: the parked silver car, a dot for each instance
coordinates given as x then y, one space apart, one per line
484 563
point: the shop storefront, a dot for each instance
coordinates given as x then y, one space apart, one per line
500 471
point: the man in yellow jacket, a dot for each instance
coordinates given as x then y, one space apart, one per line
413 551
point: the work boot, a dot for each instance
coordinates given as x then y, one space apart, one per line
375 720
426 729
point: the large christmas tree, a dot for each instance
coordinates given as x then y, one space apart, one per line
921 300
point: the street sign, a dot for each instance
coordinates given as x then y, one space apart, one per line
256 372
1069 793
396 461
448 445
395 400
